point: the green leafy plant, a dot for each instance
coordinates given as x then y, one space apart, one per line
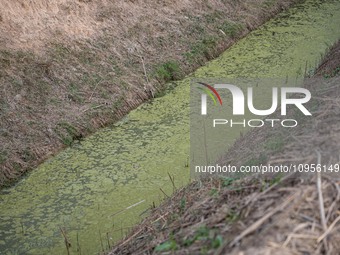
168 71
227 181
213 192
201 48
182 205
232 216
169 245
204 233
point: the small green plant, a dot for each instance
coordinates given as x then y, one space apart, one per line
232 216
182 205
335 72
217 242
204 233
169 245
276 179
201 49
227 181
67 133
213 192
168 71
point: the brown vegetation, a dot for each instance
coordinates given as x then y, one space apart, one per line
70 67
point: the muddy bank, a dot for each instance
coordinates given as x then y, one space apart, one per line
75 67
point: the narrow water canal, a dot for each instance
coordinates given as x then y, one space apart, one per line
86 189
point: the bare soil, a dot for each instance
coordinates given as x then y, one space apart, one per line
68 67
260 214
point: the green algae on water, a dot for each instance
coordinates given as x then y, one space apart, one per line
86 189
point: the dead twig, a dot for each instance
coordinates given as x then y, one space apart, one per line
328 230
131 237
321 203
291 235
129 207
172 179
164 193
67 242
253 199
319 188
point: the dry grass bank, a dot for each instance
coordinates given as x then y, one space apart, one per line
70 67
260 214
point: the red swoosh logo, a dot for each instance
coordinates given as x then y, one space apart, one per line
213 90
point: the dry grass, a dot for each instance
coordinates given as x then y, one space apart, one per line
249 216
70 67
30 25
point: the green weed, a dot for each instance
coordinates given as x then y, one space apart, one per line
204 233
169 245
201 48
231 29
227 181
232 216
67 133
213 192
169 71
335 72
182 204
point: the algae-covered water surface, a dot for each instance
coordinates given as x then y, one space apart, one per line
96 190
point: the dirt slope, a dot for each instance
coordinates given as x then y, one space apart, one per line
68 67
260 214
